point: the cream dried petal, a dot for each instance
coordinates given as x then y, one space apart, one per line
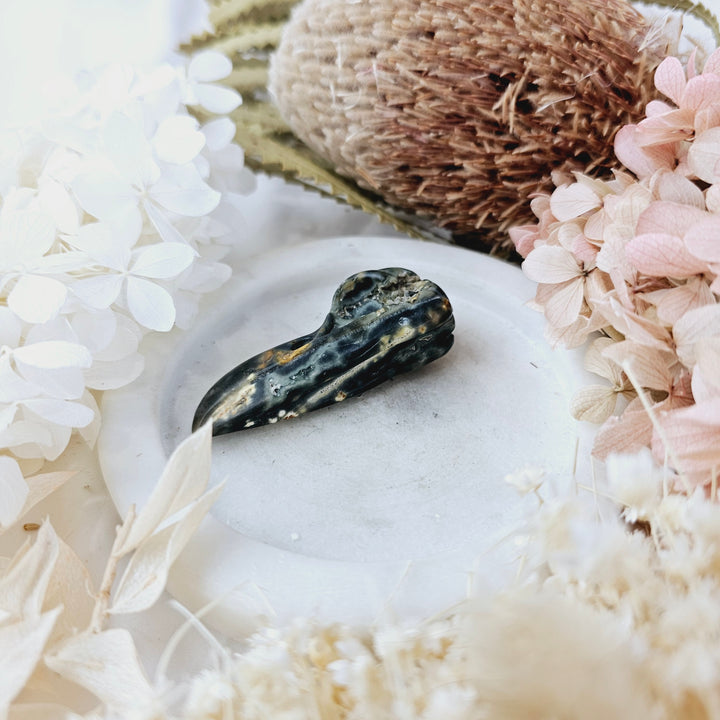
21 647
208 66
596 361
14 492
594 403
22 589
71 588
146 574
551 264
60 412
183 480
162 260
650 367
573 201
564 304
107 665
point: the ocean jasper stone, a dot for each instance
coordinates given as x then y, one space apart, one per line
381 323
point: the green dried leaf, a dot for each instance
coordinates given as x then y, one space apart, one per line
245 38
283 155
233 12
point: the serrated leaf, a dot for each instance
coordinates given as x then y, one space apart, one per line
245 38
297 165
249 11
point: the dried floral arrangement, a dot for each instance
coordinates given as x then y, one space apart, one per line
636 258
336 136
117 212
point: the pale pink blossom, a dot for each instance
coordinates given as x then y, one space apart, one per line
639 260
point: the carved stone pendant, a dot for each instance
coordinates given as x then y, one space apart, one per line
381 323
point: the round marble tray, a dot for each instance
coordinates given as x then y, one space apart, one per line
381 502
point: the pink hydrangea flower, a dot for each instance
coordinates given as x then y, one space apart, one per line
635 262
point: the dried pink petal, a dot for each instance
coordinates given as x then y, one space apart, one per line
673 187
572 201
704 154
693 433
673 303
703 239
668 217
663 255
650 367
548 264
643 161
564 303
701 91
670 79
628 433
524 238
712 64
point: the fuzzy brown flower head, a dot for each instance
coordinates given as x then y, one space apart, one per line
458 110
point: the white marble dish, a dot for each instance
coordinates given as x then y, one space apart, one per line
383 502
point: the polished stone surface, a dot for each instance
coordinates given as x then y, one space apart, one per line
381 323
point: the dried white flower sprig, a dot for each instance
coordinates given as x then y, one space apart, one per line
114 215
51 616
615 612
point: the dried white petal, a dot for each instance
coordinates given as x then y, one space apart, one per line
208 66
21 647
107 665
54 354
182 191
146 574
184 479
37 299
22 589
25 236
178 140
69 587
151 305
163 260
14 492
217 99
60 412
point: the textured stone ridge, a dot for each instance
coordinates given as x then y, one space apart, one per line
458 110
381 323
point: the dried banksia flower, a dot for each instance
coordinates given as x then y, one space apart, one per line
458 110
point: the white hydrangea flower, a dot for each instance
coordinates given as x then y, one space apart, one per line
114 214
